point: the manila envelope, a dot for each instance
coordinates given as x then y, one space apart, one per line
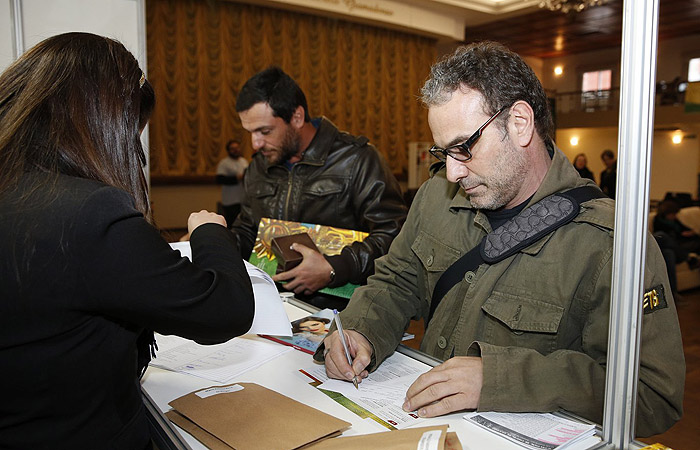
432 437
254 418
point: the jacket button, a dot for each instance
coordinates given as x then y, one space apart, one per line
442 342
469 277
429 260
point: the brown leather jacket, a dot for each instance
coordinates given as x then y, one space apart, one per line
341 181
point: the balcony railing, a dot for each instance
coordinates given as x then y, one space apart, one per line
588 101
597 101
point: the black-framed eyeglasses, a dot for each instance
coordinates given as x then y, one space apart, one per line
462 152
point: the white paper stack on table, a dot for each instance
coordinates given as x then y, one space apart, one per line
537 431
223 362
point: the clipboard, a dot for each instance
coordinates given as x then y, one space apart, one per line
247 416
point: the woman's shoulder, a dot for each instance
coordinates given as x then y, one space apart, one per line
62 195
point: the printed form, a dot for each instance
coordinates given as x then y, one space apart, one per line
383 392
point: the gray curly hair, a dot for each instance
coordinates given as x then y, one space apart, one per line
500 75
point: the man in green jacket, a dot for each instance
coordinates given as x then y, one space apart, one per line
529 332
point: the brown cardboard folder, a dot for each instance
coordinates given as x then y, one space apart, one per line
406 439
253 418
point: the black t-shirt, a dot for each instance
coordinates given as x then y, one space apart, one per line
501 216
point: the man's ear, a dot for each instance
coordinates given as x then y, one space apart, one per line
297 120
523 122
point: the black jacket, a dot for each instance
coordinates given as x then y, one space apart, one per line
341 181
82 274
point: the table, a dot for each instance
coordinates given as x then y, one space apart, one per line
161 386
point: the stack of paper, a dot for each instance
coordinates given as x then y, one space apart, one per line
536 431
220 362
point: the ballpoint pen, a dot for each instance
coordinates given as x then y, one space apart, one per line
339 326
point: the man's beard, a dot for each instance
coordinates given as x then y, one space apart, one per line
288 148
503 183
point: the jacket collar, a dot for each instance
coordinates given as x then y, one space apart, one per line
317 151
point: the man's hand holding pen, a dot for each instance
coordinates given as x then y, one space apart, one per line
337 365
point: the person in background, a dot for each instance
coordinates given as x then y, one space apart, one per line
527 332
84 274
306 170
229 173
608 177
581 166
677 242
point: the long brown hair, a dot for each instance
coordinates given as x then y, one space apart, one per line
76 104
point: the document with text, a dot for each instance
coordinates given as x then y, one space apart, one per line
537 431
382 393
220 362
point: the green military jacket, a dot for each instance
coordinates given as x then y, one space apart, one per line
538 319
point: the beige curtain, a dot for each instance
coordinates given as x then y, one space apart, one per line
365 79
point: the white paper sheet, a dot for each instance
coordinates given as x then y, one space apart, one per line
534 431
220 362
383 392
270 317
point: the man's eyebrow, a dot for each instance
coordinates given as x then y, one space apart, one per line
458 140
262 127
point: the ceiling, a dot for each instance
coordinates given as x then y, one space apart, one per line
547 34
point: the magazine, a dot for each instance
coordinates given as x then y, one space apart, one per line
309 331
329 240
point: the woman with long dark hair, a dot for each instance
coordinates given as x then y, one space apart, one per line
84 275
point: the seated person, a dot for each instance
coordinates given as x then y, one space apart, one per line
84 274
308 171
666 221
678 243
528 333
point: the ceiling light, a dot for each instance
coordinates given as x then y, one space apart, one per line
677 137
574 141
567 6
558 70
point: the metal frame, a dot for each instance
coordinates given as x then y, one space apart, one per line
17 28
639 48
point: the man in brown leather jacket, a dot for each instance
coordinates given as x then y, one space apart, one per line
306 170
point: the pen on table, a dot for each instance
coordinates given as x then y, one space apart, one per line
339 326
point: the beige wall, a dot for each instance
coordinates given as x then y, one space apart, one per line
172 205
674 167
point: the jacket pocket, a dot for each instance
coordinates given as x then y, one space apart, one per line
324 187
520 321
435 257
262 190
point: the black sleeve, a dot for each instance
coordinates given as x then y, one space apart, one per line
130 273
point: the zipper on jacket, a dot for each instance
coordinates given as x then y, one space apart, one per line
289 193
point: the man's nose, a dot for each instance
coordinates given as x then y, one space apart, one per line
455 169
257 142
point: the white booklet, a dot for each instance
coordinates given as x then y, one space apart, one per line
270 316
537 431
